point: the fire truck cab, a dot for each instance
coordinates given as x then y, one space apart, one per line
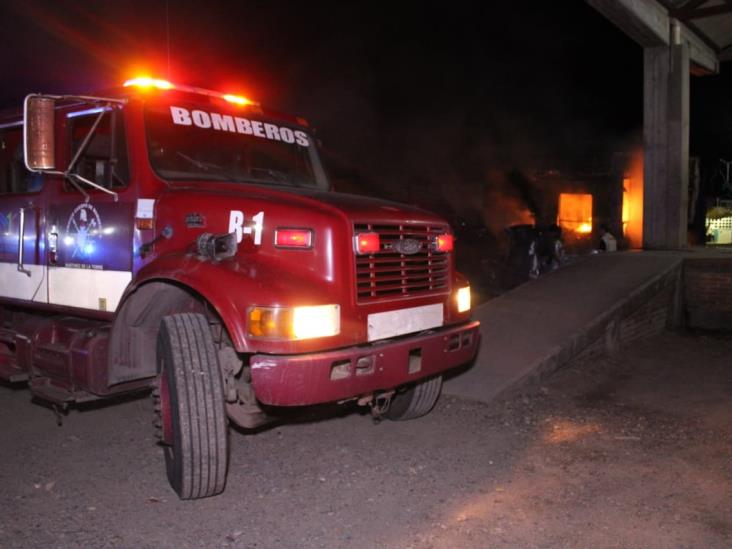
174 239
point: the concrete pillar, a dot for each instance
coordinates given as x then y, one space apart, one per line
666 146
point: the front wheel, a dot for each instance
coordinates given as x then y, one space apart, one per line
192 407
416 401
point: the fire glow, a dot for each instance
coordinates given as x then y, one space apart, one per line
633 201
575 213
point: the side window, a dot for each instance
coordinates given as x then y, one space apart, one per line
104 158
14 178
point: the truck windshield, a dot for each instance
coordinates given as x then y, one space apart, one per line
187 142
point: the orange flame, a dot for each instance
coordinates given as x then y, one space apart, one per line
575 212
633 201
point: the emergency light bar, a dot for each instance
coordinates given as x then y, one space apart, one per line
147 82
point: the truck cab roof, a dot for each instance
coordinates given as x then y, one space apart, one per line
154 90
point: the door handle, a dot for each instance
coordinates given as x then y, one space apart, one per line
53 245
21 242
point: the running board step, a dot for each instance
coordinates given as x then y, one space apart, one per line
9 370
42 388
11 374
7 336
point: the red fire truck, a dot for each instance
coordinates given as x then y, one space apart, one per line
172 238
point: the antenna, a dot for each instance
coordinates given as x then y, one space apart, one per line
167 34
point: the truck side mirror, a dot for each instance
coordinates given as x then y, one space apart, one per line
39 120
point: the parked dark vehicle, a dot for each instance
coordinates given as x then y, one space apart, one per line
530 251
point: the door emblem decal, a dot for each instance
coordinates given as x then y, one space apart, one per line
83 230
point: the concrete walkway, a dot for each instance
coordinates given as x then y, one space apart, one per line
538 323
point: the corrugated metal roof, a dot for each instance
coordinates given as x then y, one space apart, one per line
710 19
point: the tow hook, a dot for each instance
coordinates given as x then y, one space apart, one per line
59 411
379 404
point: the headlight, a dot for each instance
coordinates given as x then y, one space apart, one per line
318 321
463 299
295 322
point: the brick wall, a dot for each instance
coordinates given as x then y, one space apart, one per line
645 313
708 293
650 319
696 293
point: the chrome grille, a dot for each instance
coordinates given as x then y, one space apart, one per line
389 273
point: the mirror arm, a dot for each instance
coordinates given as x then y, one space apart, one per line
77 186
84 143
75 176
86 98
70 177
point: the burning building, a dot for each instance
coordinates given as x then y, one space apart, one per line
580 202
575 213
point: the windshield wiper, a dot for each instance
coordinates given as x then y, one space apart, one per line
189 176
201 165
275 176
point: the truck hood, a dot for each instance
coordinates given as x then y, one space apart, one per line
265 274
355 207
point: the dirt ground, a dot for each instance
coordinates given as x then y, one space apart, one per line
629 451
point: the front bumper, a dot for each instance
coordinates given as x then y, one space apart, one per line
298 380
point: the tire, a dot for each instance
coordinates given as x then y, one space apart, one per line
192 408
416 401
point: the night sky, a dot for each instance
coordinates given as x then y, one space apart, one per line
397 90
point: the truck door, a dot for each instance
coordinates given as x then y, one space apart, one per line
22 265
92 265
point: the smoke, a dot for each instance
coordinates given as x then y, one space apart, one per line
432 110
450 127
502 209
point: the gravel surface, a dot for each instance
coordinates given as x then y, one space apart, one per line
629 451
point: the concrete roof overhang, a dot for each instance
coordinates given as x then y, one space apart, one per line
705 25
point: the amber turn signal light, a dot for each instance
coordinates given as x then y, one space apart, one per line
143 223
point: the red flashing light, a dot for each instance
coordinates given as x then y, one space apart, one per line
147 82
444 243
236 99
367 243
293 238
